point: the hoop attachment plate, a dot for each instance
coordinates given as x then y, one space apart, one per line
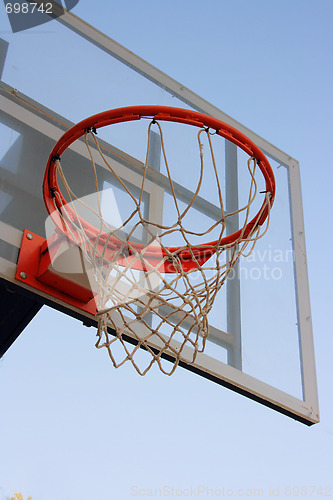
35 269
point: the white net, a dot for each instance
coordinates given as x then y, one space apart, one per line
150 295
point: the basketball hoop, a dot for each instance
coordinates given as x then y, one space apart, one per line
137 280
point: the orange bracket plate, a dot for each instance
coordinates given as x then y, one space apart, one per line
27 271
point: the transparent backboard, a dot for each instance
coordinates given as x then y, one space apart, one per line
260 335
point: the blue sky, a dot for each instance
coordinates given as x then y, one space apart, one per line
72 427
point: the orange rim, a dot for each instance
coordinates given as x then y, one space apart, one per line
159 113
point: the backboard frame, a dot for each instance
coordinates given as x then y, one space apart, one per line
304 410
